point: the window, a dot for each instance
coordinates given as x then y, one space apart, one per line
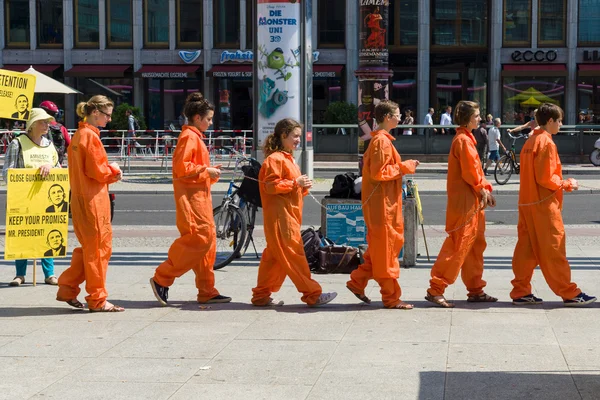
331 23
589 22
462 23
517 23
189 23
227 24
86 23
403 33
588 99
156 23
552 23
522 94
17 23
49 23
119 29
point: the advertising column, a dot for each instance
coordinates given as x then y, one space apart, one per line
373 73
283 70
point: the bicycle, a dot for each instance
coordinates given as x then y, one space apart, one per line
508 165
236 216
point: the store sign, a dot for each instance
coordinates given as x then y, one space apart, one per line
248 56
189 57
534 56
591 55
232 74
325 74
165 75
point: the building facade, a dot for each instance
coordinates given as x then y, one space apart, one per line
508 55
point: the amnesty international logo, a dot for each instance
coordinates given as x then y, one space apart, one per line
37 214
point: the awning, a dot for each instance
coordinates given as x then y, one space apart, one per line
168 71
245 71
589 69
534 70
98 71
45 68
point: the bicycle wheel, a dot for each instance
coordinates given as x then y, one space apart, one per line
503 170
231 234
250 214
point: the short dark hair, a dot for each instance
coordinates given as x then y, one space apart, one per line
547 111
196 104
384 108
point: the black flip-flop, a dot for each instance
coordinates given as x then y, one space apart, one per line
359 296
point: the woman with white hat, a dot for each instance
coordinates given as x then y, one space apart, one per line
33 150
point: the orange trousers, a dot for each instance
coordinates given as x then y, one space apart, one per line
276 263
462 252
359 278
195 250
541 242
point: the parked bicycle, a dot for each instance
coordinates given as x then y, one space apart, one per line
508 165
236 216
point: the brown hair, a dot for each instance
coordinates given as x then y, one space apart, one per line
97 102
464 111
196 104
547 111
273 141
384 108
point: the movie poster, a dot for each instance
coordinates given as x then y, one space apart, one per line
373 51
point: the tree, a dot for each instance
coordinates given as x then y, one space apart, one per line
341 112
119 119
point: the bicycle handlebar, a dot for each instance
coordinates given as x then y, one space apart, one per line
516 137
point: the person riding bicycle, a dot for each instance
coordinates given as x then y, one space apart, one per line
57 132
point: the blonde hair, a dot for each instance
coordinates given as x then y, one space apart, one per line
273 141
464 111
97 102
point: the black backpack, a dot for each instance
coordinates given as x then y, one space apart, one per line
249 190
343 187
312 242
56 137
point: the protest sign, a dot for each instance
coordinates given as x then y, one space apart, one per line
16 94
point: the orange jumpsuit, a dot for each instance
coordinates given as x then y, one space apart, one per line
196 248
541 233
89 175
282 201
463 249
382 209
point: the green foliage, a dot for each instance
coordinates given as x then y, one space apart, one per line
119 119
341 112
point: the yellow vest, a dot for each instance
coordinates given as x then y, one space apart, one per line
35 156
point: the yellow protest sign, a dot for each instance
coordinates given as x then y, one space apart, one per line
419 206
16 94
37 214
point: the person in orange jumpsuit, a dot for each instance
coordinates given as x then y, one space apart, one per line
541 233
282 188
192 178
381 196
469 193
89 175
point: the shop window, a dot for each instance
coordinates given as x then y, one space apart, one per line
462 23
249 25
477 87
189 31
119 90
86 23
589 22
156 23
119 28
551 22
17 23
517 23
522 94
588 100
50 23
331 23
404 32
404 90
226 24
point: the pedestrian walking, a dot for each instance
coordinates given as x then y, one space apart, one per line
408 120
541 232
282 189
381 196
469 193
494 143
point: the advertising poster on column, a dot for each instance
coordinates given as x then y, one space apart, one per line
278 62
373 50
37 214
370 93
16 94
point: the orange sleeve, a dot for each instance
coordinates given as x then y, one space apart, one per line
545 164
384 166
470 166
96 162
273 180
183 160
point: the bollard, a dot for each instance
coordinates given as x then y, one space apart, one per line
411 232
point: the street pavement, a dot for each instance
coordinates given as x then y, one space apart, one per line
343 350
